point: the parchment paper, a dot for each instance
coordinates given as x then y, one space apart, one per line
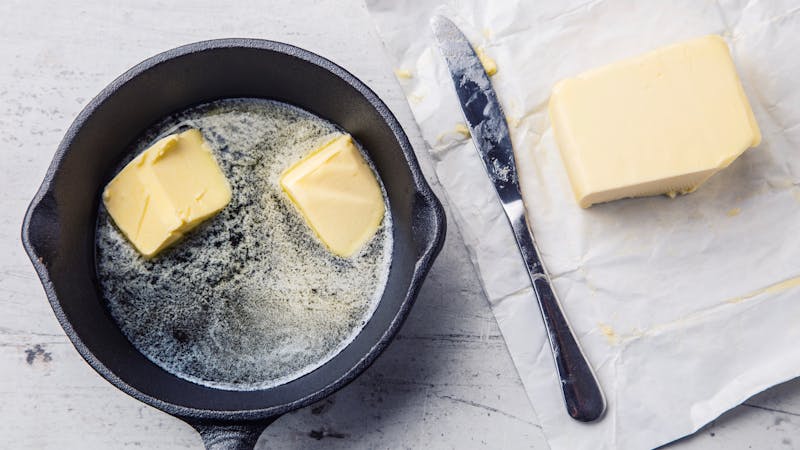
686 307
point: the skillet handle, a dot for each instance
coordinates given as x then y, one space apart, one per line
230 435
41 229
429 225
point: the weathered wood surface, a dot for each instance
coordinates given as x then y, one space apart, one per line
446 382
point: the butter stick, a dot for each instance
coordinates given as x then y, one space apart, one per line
660 123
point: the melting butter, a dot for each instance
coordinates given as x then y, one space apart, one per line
250 299
166 191
338 195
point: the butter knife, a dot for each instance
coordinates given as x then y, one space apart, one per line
487 124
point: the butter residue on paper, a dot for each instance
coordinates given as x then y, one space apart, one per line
403 74
609 333
337 194
459 133
734 212
166 191
462 130
489 64
771 289
660 123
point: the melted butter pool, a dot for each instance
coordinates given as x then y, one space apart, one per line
251 298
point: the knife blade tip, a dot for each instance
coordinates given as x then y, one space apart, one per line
440 23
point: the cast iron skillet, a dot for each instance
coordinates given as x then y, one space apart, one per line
58 232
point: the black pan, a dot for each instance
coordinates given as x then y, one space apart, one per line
58 232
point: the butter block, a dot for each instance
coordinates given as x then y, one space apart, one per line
660 123
337 194
166 191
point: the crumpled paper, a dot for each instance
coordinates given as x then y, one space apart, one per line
685 307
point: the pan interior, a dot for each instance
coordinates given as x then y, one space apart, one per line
250 299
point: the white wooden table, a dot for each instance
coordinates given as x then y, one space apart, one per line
446 382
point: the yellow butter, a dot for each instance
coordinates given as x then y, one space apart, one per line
489 64
403 74
462 130
166 191
661 123
338 195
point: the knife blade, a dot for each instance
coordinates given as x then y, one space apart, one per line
583 397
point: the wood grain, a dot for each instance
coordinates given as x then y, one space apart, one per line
446 382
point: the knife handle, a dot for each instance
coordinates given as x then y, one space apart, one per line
582 394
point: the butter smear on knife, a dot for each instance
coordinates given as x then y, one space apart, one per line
660 123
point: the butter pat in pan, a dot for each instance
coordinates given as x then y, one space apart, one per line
166 191
661 123
338 195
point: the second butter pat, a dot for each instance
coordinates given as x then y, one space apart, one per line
337 194
661 123
166 191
